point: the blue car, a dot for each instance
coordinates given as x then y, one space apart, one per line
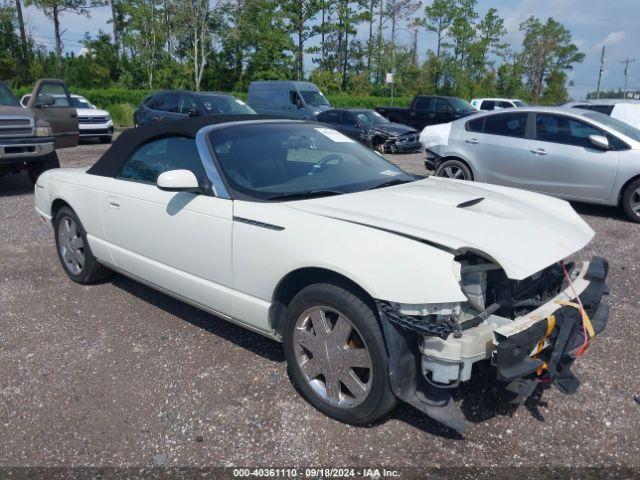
179 104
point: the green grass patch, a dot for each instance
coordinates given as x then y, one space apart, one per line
121 113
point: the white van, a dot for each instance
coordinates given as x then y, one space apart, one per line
287 99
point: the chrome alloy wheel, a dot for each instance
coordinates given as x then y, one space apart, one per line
71 245
453 172
635 201
332 356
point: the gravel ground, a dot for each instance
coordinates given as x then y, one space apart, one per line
117 374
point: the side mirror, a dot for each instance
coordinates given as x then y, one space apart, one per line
194 112
178 181
600 141
45 100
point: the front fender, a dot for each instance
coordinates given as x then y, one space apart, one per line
386 265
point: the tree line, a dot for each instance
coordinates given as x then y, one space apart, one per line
341 45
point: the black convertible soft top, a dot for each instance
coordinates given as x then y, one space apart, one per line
109 164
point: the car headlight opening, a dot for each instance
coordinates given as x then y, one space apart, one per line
44 132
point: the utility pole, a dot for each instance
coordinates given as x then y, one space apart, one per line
626 63
601 73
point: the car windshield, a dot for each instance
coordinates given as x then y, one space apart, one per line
371 118
81 103
520 103
312 97
622 127
460 105
221 104
7 98
296 160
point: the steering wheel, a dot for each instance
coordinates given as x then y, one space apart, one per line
323 162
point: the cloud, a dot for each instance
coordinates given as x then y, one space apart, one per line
613 39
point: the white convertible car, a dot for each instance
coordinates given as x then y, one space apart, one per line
381 285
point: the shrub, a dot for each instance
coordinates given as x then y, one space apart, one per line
121 113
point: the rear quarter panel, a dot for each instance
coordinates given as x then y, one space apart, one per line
82 192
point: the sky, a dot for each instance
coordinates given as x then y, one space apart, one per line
593 23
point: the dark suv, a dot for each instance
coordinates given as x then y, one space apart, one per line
176 105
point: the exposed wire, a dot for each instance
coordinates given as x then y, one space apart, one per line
583 312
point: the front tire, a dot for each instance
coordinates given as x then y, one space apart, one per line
73 249
336 354
105 140
454 169
35 169
631 201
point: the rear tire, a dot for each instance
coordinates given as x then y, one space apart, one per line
336 354
631 201
454 169
35 169
73 249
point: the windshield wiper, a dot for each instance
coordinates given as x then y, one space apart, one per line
391 183
307 194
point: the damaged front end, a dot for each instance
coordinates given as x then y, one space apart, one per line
385 142
531 331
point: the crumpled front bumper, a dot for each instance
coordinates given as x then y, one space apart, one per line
545 350
536 348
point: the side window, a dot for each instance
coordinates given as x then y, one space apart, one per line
488 105
170 102
162 155
565 130
424 103
582 107
505 104
58 92
606 109
155 101
508 124
442 106
294 98
332 116
187 104
348 118
476 125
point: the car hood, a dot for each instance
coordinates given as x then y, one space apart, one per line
394 129
91 112
9 110
523 232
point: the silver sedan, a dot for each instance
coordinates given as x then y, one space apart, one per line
577 155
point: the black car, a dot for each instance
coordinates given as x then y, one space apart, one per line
428 110
176 105
372 129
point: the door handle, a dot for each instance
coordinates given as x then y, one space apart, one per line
114 203
472 141
539 151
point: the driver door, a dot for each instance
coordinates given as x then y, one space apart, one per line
61 115
180 242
